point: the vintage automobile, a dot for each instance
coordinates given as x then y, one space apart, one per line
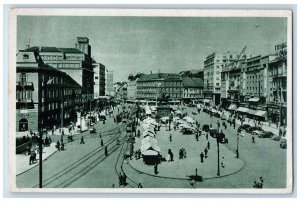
205 128
250 129
92 130
283 144
265 134
213 132
194 113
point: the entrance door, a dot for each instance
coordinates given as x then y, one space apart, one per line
23 125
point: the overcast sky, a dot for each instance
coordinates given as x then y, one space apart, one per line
143 44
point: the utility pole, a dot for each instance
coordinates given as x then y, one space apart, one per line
41 156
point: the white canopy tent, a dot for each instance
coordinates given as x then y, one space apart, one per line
189 119
150 153
150 146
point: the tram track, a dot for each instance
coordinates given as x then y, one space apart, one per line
66 170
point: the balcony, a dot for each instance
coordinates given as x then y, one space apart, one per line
24 104
24 86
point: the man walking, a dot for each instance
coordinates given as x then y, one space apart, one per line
82 141
208 145
201 157
205 152
170 137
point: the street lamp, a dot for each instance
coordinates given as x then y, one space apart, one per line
237 142
219 137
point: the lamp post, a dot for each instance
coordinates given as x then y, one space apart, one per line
237 143
218 144
41 156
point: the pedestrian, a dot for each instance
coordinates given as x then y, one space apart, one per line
101 143
171 156
62 146
201 157
58 145
170 138
253 139
255 184
155 169
140 185
208 145
206 135
82 141
106 151
205 152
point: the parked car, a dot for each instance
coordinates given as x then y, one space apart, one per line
276 138
253 128
187 131
92 130
283 144
266 134
213 132
205 128
224 141
194 113
245 127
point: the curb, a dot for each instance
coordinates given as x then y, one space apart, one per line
177 178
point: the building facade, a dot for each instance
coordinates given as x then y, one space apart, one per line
132 89
153 86
109 90
192 89
45 96
99 79
213 66
76 62
277 79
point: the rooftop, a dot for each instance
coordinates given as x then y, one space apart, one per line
159 76
192 82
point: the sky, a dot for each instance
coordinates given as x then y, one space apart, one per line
128 45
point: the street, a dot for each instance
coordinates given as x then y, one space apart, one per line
85 165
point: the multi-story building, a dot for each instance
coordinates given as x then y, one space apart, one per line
45 96
277 80
99 79
109 90
213 65
152 86
76 62
192 89
132 89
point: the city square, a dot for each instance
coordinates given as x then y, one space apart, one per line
168 103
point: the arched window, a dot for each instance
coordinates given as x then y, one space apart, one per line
23 77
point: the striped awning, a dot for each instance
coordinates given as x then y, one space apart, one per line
255 99
261 113
232 107
242 109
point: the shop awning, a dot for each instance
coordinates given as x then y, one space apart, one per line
261 113
206 100
255 99
242 109
232 107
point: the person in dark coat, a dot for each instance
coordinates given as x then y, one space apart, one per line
201 157
205 152
58 145
156 169
208 145
170 137
253 139
82 141
106 151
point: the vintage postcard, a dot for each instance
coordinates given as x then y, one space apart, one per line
150 101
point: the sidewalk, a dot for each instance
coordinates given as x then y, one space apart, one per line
22 160
265 125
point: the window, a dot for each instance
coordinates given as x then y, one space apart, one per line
217 84
96 77
23 77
